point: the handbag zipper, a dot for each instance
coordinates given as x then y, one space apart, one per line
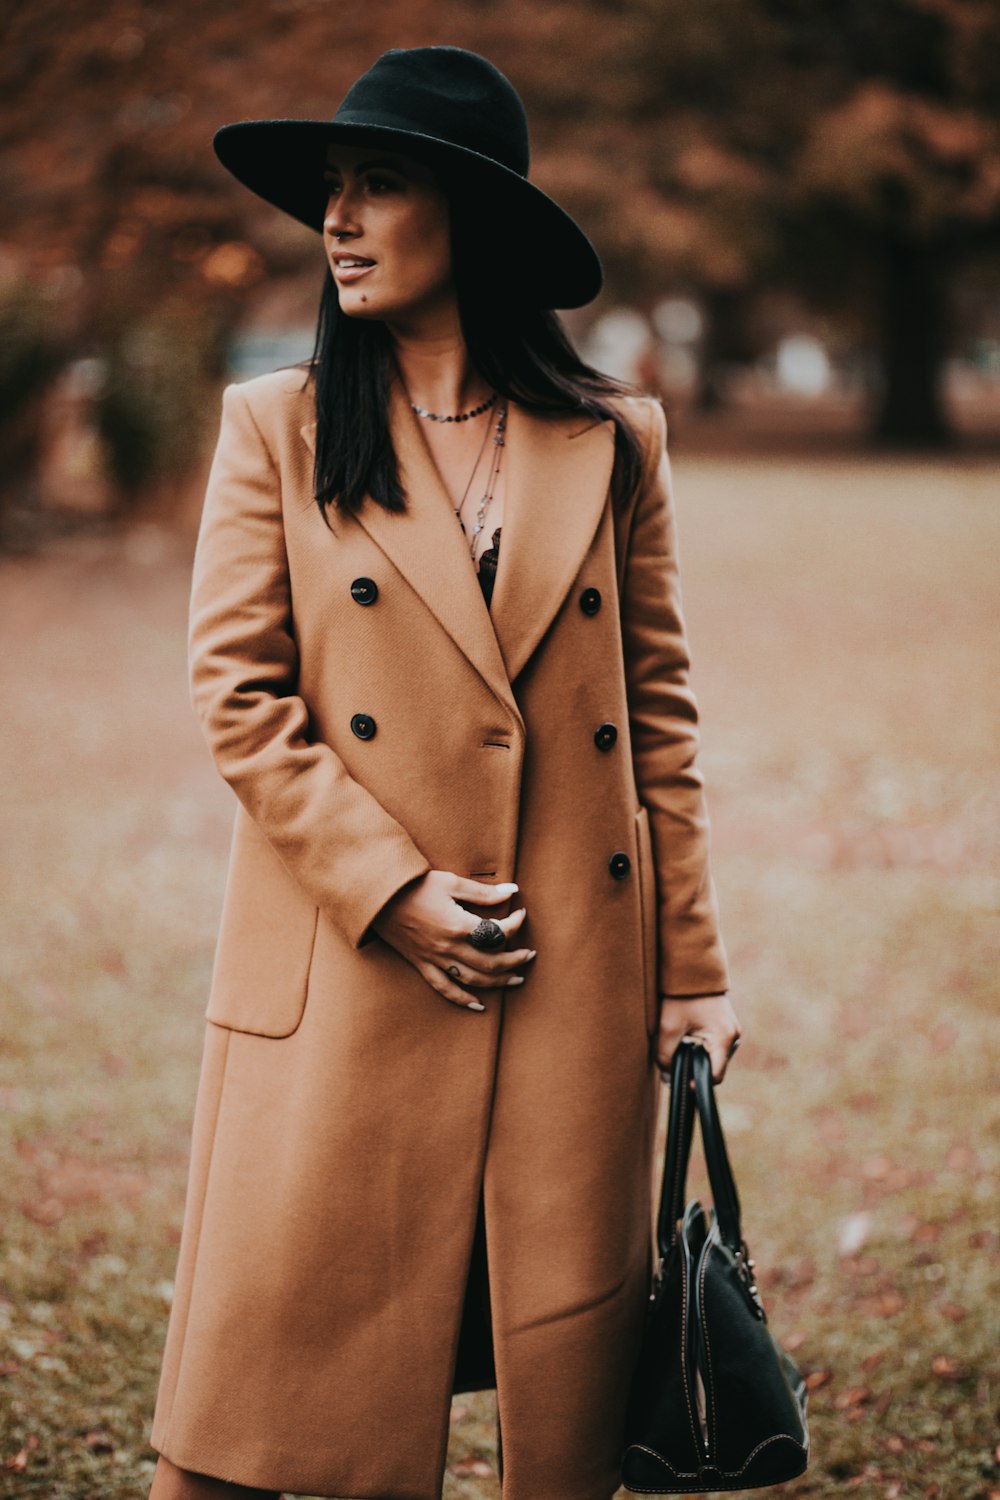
699 1353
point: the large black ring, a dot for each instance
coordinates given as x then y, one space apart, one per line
487 934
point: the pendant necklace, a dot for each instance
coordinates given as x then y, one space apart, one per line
484 504
498 447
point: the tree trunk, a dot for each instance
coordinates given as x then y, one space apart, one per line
723 345
913 317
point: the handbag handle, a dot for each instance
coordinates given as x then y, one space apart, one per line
692 1061
680 1127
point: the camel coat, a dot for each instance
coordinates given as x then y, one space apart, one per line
376 721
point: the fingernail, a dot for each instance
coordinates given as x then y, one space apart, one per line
517 979
507 886
474 1005
532 952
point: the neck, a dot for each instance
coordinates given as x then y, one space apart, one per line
436 370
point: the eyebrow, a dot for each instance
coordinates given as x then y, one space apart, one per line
364 166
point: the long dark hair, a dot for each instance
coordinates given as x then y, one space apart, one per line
521 351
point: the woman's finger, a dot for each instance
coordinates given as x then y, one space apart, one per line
480 893
463 974
447 988
491 960
720 1046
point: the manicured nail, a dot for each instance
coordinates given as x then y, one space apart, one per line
507 886
532 952
517 979
474 1005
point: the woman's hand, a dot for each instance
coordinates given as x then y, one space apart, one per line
710 1017
425 923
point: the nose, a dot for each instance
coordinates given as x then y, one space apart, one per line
339 218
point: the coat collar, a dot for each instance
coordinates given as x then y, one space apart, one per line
558 470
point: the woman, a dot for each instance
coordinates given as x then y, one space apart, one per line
415 1065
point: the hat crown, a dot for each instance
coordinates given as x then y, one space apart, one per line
446 93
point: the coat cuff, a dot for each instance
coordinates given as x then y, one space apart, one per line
360 938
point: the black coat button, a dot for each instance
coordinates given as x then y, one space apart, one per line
605 736
363 725
590 601
619 864
364 590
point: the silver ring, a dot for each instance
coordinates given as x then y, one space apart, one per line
736 1043
486 934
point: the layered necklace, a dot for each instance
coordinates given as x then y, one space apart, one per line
499 428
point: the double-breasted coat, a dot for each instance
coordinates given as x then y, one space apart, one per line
375 721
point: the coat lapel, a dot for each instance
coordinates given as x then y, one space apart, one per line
558 471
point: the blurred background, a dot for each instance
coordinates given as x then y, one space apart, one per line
798 209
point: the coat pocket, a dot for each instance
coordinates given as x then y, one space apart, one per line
648 906
266 941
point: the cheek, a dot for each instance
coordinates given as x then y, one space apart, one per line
424 248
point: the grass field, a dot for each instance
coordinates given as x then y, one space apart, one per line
844 623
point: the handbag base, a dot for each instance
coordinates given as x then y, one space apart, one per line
644 1472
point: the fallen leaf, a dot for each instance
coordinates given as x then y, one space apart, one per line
862 1265
946 1366
44 1210
19 1462
98 1441
954 1312
817 1378
944 1036
9 1367
889 1303
855 1395
894 1444
458 1412
872 1361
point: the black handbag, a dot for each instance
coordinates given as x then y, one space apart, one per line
715 1402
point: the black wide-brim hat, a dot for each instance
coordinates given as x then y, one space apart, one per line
456 112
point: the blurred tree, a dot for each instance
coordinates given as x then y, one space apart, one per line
110 186
849 151
32 352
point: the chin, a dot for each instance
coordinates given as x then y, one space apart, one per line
353 307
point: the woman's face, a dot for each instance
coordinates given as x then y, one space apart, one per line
389 213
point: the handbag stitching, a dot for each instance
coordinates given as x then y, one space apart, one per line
704 1329
684 1378
684 1489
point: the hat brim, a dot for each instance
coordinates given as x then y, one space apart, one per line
549 256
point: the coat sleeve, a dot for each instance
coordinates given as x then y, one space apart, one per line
334 837
663 718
